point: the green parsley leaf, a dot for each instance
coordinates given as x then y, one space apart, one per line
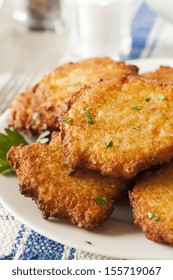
136 108
109 144
89 115
147 99
11 138
36 116
136 127
89 242
75 84
67 120
152 216
42 138
100 201
44 126
161 97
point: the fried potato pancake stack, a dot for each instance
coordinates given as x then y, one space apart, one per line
85 199
152 204
113 122
47 98
120 127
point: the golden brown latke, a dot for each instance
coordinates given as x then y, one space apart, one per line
152 204
27 115
163 74
132 127
47 97
43 177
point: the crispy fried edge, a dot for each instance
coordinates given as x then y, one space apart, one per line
20 120
152 231
49 115
159 73
103 214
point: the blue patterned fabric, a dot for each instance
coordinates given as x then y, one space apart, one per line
20 242
141 26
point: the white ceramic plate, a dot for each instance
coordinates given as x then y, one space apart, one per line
118 238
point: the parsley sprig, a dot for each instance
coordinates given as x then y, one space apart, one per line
89 116
161 97
67 120
43 137
148 99
109 144
152 216
100 201
11 138
136 108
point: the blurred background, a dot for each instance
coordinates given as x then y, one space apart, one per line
40 34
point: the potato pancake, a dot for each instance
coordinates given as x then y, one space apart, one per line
119 127
85 199
152 203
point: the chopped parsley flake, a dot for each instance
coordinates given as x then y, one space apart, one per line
136 127
67 120
161 97
147 99
75 84
136 108
109 144
44 126
100 201
43 137
89 242
152 216
36 116
89 116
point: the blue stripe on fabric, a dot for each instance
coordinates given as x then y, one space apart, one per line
38 247
140 29
71 254
16 244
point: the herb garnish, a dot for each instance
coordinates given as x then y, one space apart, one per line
42 138
89 242
147 99
89 115
136 127
161 97
44 126
11 138
152 216
136 108
100 201
67 120
109 144
75 84
36 116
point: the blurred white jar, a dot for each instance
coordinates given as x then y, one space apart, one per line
99 27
